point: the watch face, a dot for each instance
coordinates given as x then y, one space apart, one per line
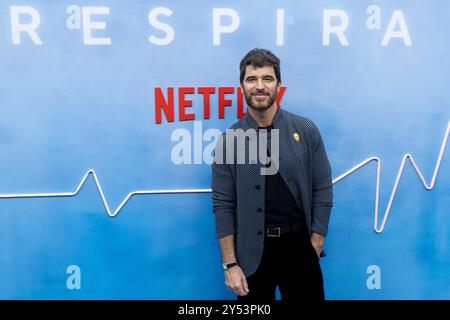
229 265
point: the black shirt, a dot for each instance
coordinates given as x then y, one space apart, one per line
281 209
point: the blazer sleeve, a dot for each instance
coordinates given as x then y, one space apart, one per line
322 186
223 192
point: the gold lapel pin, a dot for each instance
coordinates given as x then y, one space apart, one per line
296 137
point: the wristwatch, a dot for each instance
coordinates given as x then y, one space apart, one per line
227 266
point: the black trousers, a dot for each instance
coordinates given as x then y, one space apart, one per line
291 263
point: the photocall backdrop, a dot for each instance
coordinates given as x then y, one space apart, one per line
102 99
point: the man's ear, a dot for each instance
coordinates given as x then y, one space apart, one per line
278 86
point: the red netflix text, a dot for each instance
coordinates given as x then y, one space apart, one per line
165 102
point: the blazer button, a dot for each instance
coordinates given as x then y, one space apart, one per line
259 233
259 210
257 187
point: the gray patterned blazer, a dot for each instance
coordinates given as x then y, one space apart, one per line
238 189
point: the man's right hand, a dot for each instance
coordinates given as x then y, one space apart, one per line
235 281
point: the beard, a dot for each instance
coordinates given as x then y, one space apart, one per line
259 106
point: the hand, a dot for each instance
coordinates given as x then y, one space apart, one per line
236 281
317 241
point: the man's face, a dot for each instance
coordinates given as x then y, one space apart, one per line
260 87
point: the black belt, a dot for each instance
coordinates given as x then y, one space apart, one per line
278 231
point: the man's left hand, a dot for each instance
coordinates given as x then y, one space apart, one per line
317 241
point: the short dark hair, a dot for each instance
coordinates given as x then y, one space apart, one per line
259 58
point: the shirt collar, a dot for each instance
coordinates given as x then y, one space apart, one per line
251 123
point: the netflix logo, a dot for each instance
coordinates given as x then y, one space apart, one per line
172 109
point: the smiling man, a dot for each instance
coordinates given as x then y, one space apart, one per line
271 228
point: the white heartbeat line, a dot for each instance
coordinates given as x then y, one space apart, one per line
334 181
397 180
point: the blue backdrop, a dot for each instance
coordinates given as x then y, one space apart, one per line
69 104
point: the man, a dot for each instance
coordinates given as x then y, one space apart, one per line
272 227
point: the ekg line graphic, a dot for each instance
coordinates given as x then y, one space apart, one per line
334 181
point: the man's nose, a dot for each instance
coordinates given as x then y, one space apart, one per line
259 84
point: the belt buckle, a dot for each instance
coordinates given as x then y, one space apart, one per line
276 235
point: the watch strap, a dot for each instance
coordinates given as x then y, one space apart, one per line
227 266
